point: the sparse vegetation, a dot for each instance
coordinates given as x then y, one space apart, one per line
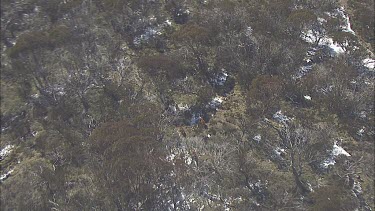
187 105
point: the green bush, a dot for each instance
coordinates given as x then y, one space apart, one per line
302 18
40 39
333 197
29 41
162 65
59 35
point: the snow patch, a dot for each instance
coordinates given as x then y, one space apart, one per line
249 31
168 22
329 162
188 160
6 175
307 97
307 64
324 40
361 131
36 9
152 18
172 109
6 151
357 188
279 151
311 38
336 151
326 89
180 153
220 78
279 116
369 63
182 107
195 118
216 102
35 96
363 114
151 32
34 133
257 138
171 157
347 26
303 70
336 48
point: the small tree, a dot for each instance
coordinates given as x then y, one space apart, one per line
265 93
131 163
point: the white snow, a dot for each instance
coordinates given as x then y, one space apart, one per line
6 175
357 187
221 78
57 89
363 114
310 37
308 64
304 70
322 20
336 151
329 162
368 82
279 116
149 33
194 119
152 18
172 108
216 102
34 133
307 97
336 48
182 107
279 151
361 131
310 187
369 63
5 151
168 22
35 96
179 152
258 185
183 196
257 138
36 9
347 26
249 31
171 157
188 160
326 89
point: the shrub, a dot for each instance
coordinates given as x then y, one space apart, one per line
59 35
162 65
302 18
192 33
29 41
333 197
40 39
